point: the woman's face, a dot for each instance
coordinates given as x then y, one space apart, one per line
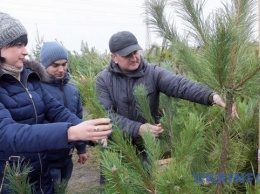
14 55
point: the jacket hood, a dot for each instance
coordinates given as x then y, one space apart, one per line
35 67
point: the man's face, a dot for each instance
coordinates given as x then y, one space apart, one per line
58 68
128 63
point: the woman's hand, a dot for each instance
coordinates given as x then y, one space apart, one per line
95 129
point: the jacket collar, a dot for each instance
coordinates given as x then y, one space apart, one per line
31 67
54 81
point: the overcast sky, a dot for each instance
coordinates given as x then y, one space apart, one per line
73 21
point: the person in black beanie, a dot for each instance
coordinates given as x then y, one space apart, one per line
25 105
54 57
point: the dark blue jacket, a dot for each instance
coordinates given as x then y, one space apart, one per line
23 104
64 91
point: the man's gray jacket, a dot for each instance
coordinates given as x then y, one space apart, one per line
115 90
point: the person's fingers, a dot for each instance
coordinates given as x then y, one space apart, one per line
97 138
100 121
234 111
157 129
101 133
89 134
84 160
218 100
102 127
159 132
235 114
104 142
84 131
96 128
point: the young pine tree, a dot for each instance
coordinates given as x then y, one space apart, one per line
225 58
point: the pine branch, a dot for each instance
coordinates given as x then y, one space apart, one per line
232 67
129 151
61 188
17 176
192 14
190 61
140 93
116 180
157 20
247 78
86 85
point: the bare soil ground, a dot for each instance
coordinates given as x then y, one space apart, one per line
85 178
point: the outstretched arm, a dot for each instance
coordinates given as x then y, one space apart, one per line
18 137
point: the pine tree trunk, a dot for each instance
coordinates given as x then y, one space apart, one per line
225 140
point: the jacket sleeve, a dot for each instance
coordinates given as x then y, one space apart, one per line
81 147
181 87
58 113
128 126
79 106
17 137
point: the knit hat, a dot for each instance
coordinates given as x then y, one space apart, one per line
51 52
123 43
10 29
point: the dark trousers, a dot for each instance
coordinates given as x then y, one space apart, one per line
63 172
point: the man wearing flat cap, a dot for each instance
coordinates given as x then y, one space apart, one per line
128 69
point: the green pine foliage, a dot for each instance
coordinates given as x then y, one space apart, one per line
84 68
86 85
61 187
35 52
125 172
140 93
226 60
18 181
120 164
17 177
198 141
87 62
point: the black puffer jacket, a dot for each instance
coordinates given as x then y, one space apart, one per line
116 92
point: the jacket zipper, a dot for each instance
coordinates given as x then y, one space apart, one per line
34 108
40 160
36 122
62 93
128 96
